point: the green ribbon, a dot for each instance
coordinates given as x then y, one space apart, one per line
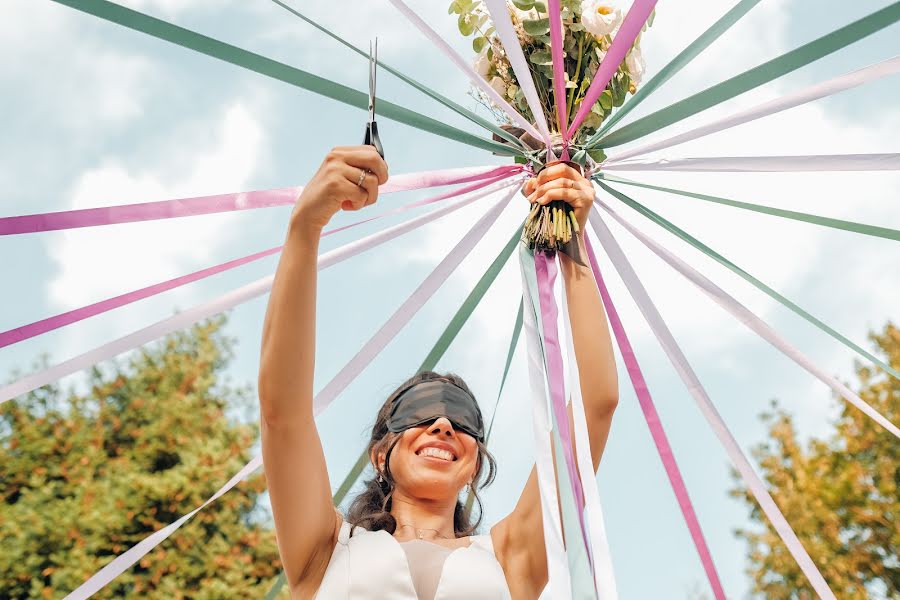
514 340
460 110
266 66
676 64
659 220
440 348
882 232
754 77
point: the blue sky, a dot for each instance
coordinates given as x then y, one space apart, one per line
98 115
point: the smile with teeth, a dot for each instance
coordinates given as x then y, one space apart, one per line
436 453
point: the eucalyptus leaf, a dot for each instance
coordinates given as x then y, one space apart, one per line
541 57
540 7
537 27
454 8
606 100
523 4
478 44
465 24
597 154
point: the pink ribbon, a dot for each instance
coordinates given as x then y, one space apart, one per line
559 83
656 428
204 205
545 268
13 336
621 44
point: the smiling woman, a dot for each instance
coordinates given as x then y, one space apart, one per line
407 536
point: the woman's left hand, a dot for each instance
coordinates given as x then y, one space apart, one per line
561 182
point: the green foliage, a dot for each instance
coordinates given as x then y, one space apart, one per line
85 477
839 494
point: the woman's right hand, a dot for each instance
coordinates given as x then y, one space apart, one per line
334 186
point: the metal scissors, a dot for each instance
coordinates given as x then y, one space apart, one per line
372 138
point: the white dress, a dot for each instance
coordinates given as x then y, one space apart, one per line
373 565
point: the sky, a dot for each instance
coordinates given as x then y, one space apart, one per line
96 115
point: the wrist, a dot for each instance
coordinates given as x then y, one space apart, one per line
304 230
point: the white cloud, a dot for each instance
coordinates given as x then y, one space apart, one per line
98 263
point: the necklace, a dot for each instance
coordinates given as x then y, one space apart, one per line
420 533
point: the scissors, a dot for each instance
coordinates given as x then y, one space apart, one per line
372 138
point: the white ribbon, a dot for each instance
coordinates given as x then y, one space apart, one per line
603 567
745 316
755 164
559 583
465 67
322 400
808 94
222 303
679 361
499 10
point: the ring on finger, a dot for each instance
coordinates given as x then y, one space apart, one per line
363 173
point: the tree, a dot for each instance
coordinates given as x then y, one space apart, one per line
85 477
839 494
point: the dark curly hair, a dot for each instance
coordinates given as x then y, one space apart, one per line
371 509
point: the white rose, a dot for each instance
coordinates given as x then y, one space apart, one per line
634 62
499 86
522 15
482 64
600 17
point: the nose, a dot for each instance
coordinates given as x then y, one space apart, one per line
442 426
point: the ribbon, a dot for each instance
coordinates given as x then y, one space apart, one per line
760 327
36 328
604 575
882 232
748 277
693 50
458 109
132 19
220 304
754 77
803 96
499 11
679 361
204 205
321 401
657 432
756 164
465 67
621 44
559 66
559 583
412 304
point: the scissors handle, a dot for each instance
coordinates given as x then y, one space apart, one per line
372 138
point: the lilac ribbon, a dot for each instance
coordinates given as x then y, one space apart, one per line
621 44
204 205
321 401
24 332
756 485
763 164
545 268
222 303
559 83
657 431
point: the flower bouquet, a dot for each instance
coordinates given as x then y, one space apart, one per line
588 28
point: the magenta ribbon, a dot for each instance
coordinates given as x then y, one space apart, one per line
656 428
628 32
204 205
559 83
545 269
24 332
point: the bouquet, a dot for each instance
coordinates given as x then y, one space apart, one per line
589 27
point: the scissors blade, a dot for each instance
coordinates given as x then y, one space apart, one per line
373 63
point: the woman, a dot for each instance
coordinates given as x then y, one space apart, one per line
406 536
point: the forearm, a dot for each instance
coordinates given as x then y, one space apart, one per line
287 358
591 338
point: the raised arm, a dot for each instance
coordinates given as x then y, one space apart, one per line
520 537
306 524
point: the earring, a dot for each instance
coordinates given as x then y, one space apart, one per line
380 479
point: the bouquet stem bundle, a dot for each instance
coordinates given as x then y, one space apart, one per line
551 226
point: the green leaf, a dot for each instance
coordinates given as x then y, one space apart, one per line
541 57
455 7
466 25
523 4
597 154
537 27
489 31
540 7
479 43
606 100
